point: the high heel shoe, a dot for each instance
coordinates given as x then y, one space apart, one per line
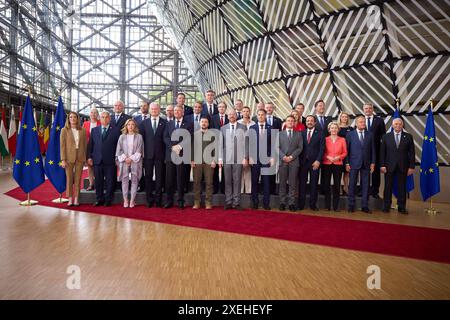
132 204
125 204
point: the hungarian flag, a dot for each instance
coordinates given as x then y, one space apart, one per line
12 134
3 137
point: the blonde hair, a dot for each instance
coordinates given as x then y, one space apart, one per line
67 125
333 123
340 121
125 129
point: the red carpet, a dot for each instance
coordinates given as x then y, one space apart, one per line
390 239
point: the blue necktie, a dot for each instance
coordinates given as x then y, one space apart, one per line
369 123
103 133
178 124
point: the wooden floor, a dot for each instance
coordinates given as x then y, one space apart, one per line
129 259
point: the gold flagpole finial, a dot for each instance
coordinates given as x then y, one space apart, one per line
431 103
397 103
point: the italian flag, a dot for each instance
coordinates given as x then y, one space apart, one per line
12 134
4 137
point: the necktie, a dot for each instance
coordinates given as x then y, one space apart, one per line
210 110
196 118
221 120
289 134
361 137
239 115
117 117
144 117
103 133
397 139
369 123
232 130
309 136
321 121
270 120
154 125
262 129
178 124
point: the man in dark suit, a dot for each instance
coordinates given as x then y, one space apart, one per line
275 123
152 130
119 118
209 107
238 105
102 155
259 106
181 98
262 162
197 115
218 121
169 112
181 132
360 160
311 158
376 126
300 107
397 159
322 120
143 114
291 146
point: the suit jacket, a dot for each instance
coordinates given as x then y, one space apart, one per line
215 121
231 148
170 129
122 119
206 111
268 139
196 125
378 129
292 147
276 122
138 118
327 119
136 155
87 128
103 151
154 146
69 153
188 110
403 157
315 149
360 157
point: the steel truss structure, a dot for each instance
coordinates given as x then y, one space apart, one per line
92 52
346 52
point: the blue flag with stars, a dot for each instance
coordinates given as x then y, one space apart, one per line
409 179
28 170
55 173
429 167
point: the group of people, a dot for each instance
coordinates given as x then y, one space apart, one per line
227 150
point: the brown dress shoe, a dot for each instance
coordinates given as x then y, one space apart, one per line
196 205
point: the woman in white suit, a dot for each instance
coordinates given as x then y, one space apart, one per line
246 182
129 154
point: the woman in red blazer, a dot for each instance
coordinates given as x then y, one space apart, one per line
88 126
333 157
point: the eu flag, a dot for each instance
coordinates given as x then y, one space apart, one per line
429 169
55 173
409 179
28 170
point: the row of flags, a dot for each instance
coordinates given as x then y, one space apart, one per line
29 170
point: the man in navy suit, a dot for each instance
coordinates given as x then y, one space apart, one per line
181 98
209 107
376 126
176 173
275 123
322 120
217 122
310 160
119 118
197 115
152 130
144 113
102 155
397 158
262 135
360 160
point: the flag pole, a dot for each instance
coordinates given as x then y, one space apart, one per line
431 210
28 202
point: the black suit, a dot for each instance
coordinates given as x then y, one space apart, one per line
187 110
378 130
122 119
312 151
102 150
154 155
218 186
176 173
397 162
276 122
139 118
326 120
205 109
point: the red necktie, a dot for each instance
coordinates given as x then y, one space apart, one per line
309 136
221 120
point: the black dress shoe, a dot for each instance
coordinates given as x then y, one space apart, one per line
337 210
282 207
158 204
351 209
292 208
366 210
376 196
255 206
168 205
108 204
227 207
300 208
99 203
181 205
386 210
315 209
403 211
238 207
267 208
149 204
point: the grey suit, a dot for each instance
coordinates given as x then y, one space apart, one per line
288 172
233 150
